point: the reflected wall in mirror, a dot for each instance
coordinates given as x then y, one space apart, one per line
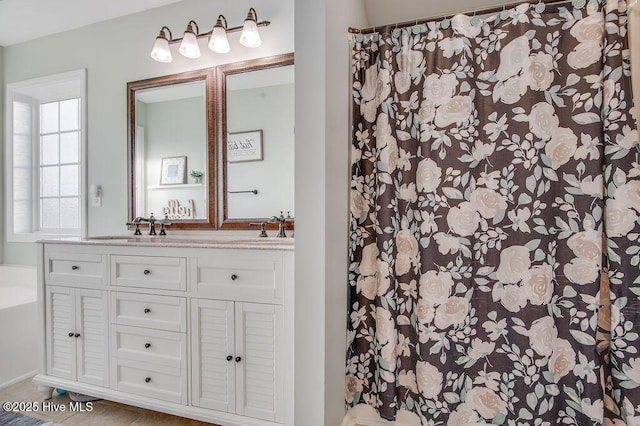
171 117
256 141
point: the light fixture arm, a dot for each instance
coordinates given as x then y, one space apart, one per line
190 26
222 22
253 15
163 34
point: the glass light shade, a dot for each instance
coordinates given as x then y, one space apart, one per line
250 36
189 47
160 51
218 41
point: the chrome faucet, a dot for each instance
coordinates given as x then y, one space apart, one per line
281 221
151 220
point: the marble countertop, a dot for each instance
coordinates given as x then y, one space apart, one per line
195 240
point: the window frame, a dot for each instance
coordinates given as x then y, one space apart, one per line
45 89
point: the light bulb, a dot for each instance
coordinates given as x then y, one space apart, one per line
250 36
160 51
189 47
218 41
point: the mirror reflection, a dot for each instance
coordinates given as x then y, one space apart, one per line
260 143
171 146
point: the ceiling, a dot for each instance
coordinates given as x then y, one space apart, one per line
23 20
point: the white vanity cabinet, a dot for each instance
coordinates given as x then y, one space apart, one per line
200 330
237 334
149 339
237 352
76 312
77 334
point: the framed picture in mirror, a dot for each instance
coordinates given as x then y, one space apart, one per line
173 170
244 146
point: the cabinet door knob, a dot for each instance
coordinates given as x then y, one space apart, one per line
71 334
74 267
147 345
234 277
147 379
147 310
229 357
146 272
76 335
238 359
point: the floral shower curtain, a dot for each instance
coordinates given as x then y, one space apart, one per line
495 233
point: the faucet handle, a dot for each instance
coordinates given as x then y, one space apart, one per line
135 223
164 222
263 232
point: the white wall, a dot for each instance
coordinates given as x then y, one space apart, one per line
117 51
322 183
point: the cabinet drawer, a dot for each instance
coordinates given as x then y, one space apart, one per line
75 268
143 310
167 273
241 275
150 380
166 348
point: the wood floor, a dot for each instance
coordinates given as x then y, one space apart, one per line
104 412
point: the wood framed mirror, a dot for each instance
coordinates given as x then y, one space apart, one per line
255 141
171 135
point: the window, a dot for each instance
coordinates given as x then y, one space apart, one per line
45 146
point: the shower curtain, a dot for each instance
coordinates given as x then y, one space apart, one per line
495 235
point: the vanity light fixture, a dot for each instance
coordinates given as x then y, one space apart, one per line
250 37
218 42
189 46
161 51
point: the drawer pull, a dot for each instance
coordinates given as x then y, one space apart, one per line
147 310
76 335
147 379
238 359
71 334
146 272
74 267
147 345
229 358
234 277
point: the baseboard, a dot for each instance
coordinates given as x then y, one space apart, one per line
18 379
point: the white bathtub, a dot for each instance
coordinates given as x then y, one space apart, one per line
18 324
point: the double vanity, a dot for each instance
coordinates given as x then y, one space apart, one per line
200 327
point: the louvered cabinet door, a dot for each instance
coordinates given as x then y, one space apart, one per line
60 323
92 344
212 349
259 343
